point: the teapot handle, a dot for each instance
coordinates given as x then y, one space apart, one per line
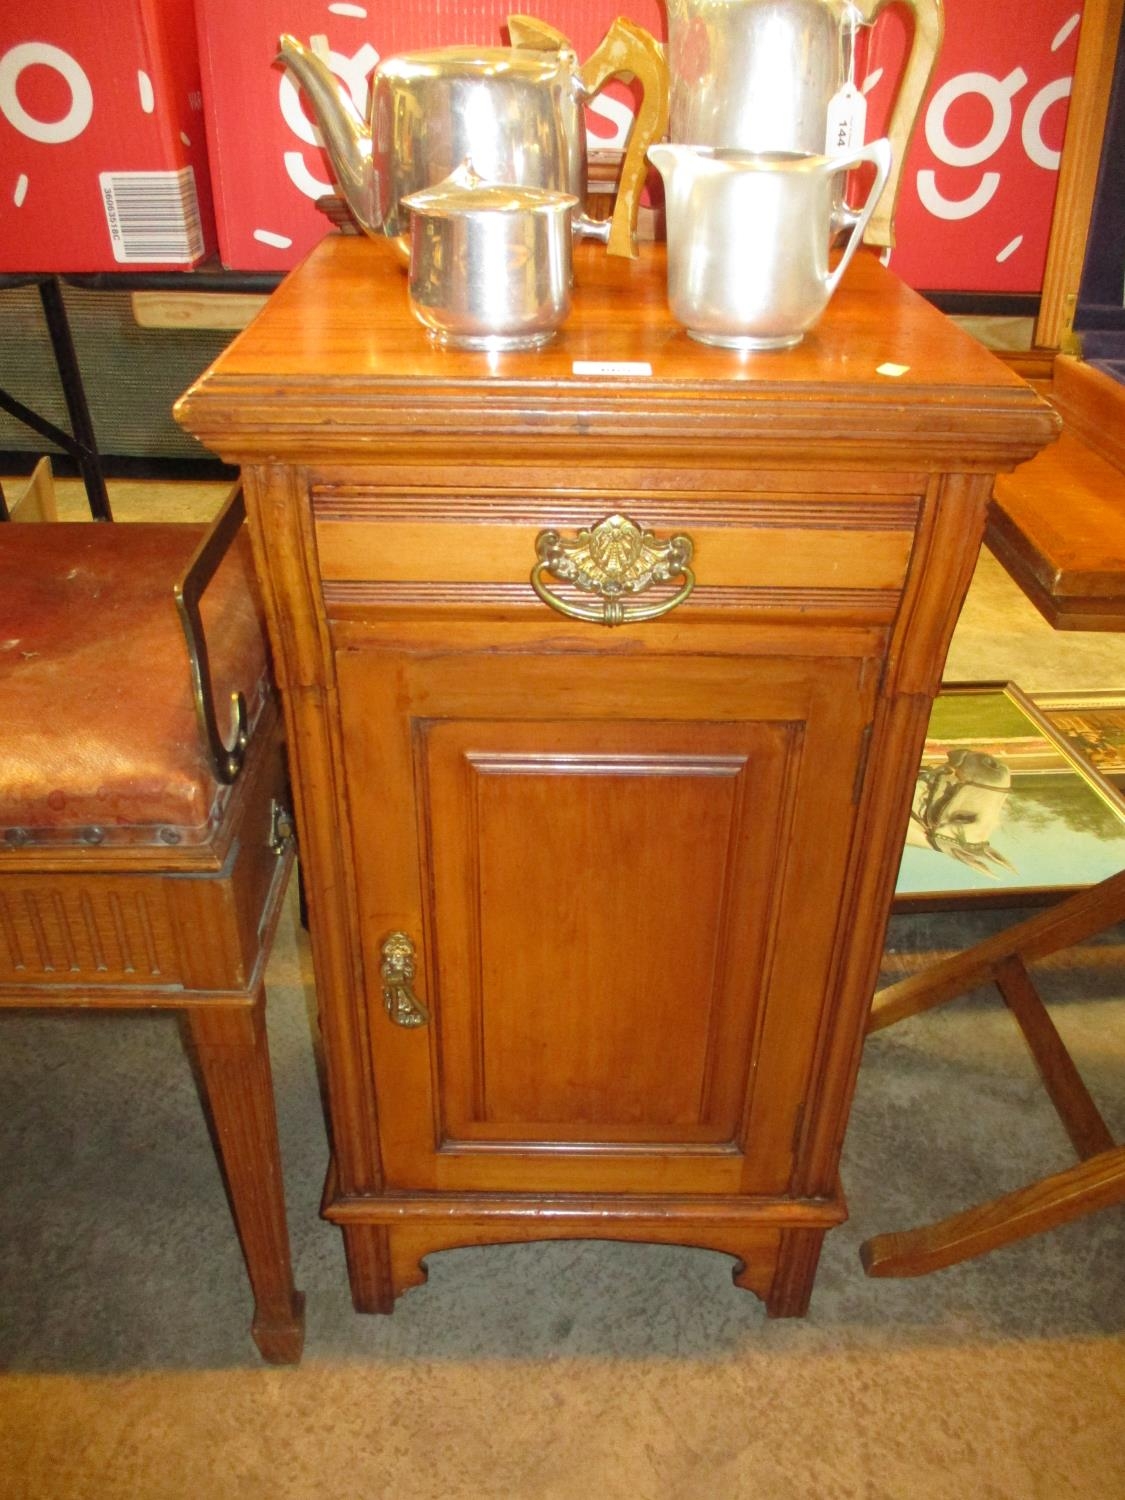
881 157
628 51
929 29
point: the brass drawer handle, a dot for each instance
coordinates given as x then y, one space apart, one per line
613 559
397 971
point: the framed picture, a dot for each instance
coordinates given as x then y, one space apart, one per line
1093 724
1007 809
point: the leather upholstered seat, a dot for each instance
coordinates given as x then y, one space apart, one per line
100 743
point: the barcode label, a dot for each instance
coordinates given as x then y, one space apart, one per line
152 216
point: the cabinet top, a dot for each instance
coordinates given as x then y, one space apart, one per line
336 362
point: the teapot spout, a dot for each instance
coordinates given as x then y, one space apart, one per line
346 137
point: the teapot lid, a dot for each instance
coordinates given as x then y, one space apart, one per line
464 191
479 62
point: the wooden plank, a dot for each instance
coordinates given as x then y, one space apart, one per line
1046 1204
36 501
1078 171
1057 524
1076 1109
1092 404
221 310
1064 925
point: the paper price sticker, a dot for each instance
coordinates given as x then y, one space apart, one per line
610 367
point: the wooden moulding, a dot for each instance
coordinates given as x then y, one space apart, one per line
770 1240
312 385
537 1213
81 929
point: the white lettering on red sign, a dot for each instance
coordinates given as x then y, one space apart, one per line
616 113
42 54
353 72
998 93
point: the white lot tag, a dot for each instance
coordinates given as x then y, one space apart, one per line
847 121
610 367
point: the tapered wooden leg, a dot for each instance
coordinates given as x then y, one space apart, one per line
233 1058
369 1267
796 1270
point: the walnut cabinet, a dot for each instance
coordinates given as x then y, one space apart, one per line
606 670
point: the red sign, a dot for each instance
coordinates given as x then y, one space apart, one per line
101 137
267 162
978 189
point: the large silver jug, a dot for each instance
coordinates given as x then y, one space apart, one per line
749 236
779 75
515 112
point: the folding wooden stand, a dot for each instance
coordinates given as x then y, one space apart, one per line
1057 523
1098 1181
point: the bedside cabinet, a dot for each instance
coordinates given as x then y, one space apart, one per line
606 671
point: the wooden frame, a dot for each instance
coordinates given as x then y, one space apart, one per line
1097 1180
1078 174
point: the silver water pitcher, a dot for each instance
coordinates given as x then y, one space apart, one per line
749 236
779 75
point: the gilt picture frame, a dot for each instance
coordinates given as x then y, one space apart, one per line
1092 723
1008 809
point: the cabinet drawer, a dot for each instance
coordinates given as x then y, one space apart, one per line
785 549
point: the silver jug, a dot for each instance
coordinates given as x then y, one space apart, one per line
749 236
779 75
516 112
490 264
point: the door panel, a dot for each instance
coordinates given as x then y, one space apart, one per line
601 898
582 997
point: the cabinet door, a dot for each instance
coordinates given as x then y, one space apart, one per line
621 879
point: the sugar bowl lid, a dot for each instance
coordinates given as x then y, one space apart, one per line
465 191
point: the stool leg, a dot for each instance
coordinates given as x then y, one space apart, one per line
234 1066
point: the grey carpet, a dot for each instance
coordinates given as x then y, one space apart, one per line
556 1369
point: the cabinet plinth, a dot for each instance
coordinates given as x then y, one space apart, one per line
605 696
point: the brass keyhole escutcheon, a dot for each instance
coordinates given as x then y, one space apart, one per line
397 972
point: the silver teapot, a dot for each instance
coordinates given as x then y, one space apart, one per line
515 112
778 75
